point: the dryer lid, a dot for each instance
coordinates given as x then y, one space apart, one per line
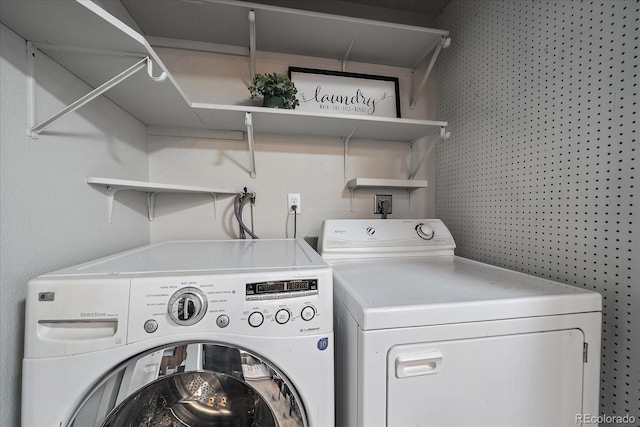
413 292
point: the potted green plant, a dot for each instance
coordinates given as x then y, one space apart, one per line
277 89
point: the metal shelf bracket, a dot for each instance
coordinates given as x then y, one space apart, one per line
346 152
345 58
248 121
160 78
215 205
441 134
111 196
35 129
151 205
444 133
346 164
252 43
151 201
443 43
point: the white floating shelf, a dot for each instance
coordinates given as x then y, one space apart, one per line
123 184
152 189
293 122
408 184
285 30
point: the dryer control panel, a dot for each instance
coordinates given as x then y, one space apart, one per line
374 238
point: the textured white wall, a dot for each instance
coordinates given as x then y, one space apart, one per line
49 217
541 171
311 166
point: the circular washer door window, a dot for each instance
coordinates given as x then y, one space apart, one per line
193 399
195 385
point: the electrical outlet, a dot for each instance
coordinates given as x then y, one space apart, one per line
381 201
293 199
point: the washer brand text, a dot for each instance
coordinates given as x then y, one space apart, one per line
93 314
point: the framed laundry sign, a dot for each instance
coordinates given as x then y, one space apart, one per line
323 91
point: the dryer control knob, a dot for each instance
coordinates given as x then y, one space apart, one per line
187 306
425 231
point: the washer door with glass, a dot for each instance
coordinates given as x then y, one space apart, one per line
195 385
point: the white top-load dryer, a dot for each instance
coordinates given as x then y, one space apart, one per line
427 338
197 333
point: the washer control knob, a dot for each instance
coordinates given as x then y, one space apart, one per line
283 316
256 319
187 306
150 326
425 231
222 321
308 313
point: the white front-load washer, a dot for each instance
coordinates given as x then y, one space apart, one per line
186 333
427 338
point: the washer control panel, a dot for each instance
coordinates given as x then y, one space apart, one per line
260 304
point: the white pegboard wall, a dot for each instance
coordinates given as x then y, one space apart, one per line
540 174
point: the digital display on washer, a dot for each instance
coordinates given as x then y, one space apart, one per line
262 288
274 287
